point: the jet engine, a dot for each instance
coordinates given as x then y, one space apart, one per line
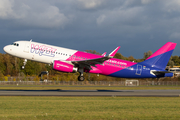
63 66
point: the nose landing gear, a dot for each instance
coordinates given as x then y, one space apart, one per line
25 61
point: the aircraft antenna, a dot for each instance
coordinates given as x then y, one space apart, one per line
31 40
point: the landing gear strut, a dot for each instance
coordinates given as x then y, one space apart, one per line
25 61
81 77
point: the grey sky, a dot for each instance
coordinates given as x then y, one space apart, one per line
102 25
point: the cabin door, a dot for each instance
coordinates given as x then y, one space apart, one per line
139 70
27 47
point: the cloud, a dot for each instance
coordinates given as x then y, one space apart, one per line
175 35
89 4
171 6
100 19
121 16
27 13
85 24
146 1
6 8
49 17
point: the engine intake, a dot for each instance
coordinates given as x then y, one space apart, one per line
63 66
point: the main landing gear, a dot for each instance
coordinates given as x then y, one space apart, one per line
81 77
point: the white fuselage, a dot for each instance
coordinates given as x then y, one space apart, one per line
38 51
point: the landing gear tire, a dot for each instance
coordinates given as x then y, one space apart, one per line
81 78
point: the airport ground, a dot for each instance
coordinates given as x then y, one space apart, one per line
86 87
15 107
89 108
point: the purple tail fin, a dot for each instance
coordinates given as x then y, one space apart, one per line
161 57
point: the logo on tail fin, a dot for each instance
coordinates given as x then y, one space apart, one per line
161 57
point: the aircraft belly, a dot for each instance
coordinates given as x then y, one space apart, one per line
44 59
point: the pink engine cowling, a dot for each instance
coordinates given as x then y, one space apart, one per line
64 67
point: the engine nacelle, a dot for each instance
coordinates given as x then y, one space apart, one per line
63 66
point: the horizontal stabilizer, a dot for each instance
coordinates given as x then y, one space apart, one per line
160 72
114 52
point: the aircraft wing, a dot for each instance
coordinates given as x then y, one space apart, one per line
91 62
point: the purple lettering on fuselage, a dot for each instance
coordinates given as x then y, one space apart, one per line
43 50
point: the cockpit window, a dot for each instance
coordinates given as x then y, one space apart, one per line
15 44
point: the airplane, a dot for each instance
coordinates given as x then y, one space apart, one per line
69 60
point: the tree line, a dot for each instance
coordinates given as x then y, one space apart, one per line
12 66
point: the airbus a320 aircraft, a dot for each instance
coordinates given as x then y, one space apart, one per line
68 60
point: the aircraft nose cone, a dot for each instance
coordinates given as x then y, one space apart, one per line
5 49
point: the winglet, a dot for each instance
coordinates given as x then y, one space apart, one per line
104 54
114 52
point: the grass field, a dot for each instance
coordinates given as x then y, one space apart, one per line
89 108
